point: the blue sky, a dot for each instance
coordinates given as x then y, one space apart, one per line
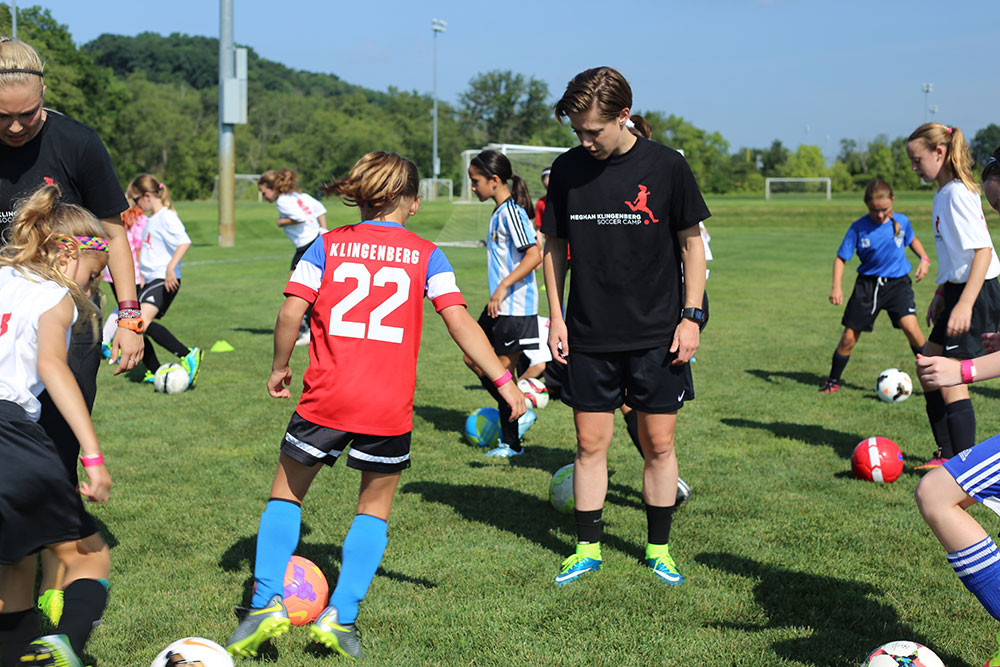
802 71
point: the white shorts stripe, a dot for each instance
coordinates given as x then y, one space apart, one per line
309 449
377 459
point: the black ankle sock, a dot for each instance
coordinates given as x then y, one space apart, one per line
588 525
17 630
632 425
149 358
837 366
83 603
165 339
937 414
961 425
658 520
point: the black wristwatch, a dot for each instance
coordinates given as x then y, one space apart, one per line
696 315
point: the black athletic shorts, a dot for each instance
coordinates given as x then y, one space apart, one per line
985 318
298 254
155 292
510 333
310 444
872 295
643 379
38 503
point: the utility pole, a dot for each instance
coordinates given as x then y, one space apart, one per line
437 25
928 88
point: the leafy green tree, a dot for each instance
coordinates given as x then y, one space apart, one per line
984 143
806 162
772 160
505 107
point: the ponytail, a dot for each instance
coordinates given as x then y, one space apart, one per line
958 157
495 163
520 191
144 183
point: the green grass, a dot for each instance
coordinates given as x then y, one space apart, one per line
788 560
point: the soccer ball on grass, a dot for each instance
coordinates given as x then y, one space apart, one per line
534 392
877 460
171 379
193 652
893 386
899 653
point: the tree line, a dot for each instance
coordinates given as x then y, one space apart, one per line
154 101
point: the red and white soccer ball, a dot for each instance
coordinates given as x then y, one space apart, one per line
896 654
193 651
534 391
877 460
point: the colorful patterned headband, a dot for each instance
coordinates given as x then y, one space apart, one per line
84 243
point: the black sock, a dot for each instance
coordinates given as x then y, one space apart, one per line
149 357
838 365
961 425
658 520
83 603
632 425
489 386
588 525
165 339
937 414
17 630
917 350
508 429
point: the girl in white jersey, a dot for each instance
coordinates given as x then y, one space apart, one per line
967 301
300 216
53 249
510 317
163 249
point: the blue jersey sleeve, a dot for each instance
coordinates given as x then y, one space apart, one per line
438 263
316 254
848 245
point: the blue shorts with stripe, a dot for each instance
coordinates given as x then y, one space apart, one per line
310 443
977 471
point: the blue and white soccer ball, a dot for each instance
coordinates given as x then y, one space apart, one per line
893 386
482 427
171 379
193 651
900 653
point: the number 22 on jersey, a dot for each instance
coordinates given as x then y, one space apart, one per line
374 329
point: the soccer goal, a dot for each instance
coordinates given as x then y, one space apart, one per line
527 161
432 189
809 187
245 188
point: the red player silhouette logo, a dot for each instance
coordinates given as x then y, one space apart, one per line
639 204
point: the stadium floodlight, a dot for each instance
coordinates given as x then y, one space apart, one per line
928 88
437 25
933 109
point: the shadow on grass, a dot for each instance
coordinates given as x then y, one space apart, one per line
443 419
845 616
257 331
518 513
842 443
809 379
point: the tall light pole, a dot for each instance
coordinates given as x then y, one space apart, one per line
437 25
928 88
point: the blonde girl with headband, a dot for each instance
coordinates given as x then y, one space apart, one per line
883 281
944 495
967 301
163 249
55 252
368 282
300 216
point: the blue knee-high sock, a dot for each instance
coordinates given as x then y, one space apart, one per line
978 567
277 538
362 553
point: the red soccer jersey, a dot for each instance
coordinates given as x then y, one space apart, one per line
367 283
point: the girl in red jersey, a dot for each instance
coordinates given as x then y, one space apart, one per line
366 283
54 249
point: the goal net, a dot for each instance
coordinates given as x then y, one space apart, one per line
245 188
818 187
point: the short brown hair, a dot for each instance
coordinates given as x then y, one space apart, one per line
603 86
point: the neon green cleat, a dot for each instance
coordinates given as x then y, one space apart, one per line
50 603
192 363
663 566
258 626
50 651
586 559
330 633
148 377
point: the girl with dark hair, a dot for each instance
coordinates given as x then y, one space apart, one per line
883 282
510 318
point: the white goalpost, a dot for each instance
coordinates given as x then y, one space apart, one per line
527 161
768 182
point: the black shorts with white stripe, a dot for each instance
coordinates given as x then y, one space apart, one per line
310 443
510 333
872 295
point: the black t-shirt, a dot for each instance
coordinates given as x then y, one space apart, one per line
621 217
69 154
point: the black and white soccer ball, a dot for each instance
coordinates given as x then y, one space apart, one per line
893 386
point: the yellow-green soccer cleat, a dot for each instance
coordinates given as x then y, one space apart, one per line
330 633
50 651
50 603
258 626
192 363
663 566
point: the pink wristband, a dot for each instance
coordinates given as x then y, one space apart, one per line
925 259
503 379
968 371
90 461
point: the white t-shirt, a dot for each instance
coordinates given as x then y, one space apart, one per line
164 233
23 301
959 230
305 211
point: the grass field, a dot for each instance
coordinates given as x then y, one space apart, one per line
788 560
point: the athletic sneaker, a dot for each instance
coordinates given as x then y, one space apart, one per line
258 626
586 559
995 660
525 422
663 566
936 461
50 651
829 387
50 603
503 451
192 363
106 350
148 377
343 639
303 338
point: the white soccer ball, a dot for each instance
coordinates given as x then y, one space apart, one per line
534 392
171 379
893 385
900 653
193 652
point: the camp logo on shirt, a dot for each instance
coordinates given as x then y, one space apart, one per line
638 204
